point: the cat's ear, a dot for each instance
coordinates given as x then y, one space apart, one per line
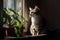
36 7
30 8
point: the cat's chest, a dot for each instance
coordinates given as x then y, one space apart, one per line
35 19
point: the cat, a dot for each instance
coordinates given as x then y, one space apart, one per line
36 22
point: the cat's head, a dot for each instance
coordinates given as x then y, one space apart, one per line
34 10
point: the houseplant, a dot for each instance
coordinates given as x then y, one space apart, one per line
10 19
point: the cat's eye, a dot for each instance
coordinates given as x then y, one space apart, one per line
32 12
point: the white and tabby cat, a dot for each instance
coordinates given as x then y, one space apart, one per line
36 22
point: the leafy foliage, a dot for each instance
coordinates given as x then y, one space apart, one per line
10 17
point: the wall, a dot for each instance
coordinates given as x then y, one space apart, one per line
1 3
1 29
52 12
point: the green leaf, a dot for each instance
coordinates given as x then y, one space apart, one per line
18 24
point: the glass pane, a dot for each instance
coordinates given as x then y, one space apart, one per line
19 7
13 4
8 4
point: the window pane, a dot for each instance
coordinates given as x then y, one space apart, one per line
19 7
13 4
9 4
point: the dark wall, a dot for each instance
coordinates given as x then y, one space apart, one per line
1 29
51 8
1 3
53 12
32 3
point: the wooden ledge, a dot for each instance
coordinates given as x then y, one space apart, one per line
27 36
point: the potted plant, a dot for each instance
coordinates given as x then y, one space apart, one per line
10 19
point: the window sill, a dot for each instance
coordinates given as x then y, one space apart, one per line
41 36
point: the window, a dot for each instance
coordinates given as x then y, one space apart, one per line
13 4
